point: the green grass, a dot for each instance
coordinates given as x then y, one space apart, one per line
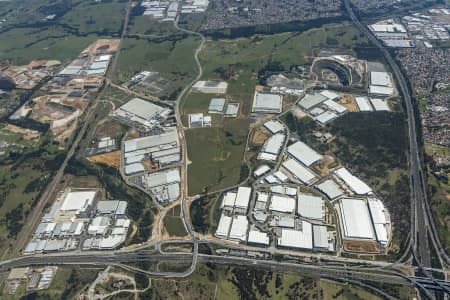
173 223
252 54
172 58
337 291
145 26
96 17
22 45
216 156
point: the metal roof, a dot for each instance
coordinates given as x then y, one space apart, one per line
355 219
78 200
265 102
380 104
330 188
363 104
298 171
320 237
282 203
257 237
310 206
326 117
243 197
380 78
151 141
216 105
274 126
303 153
224 226
134 168
239 228
354 183
293 238
311 100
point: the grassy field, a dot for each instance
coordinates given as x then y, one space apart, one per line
104 18
223 282
64 285
22 177
173 223
172 58
21 45
216 156
143 25
439 191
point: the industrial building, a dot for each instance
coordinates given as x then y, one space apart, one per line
283 204
296 238
274 126
380 104
223 228
303 153
164 186
381 84
210 87
242 198
298 171
312 100
354 183
261 170
330 188
257 237
272 147
216 106
363 104
380 219
232 110
266 103
356 222
311 207
239 228
76 216
326 117
160 148
196 120
321 239
139 113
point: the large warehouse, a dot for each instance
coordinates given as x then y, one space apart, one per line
77 202
266 103
358 186
137 112
293 238
239 228
298 171
282 204
210 87
304 154
356 222
311 207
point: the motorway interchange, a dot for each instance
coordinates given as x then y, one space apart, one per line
348 270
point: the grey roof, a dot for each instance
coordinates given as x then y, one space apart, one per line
320 237
232 109
216 105
99 65
151 141
311 100
330 188
263 102
107 206
138 110
121 208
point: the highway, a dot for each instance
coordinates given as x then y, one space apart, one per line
420 221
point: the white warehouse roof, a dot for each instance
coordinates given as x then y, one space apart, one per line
381 90
320 237
274 143
311 100
335 106
354 183
257 237
297 238
243 197
138 110
303 153
239 228
330 188
229 199
78 200
282 204
363 104
224 227
380 104
267 103
380 78
151 141
329 94
261 170
355 218
310 206
298 171
274 126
